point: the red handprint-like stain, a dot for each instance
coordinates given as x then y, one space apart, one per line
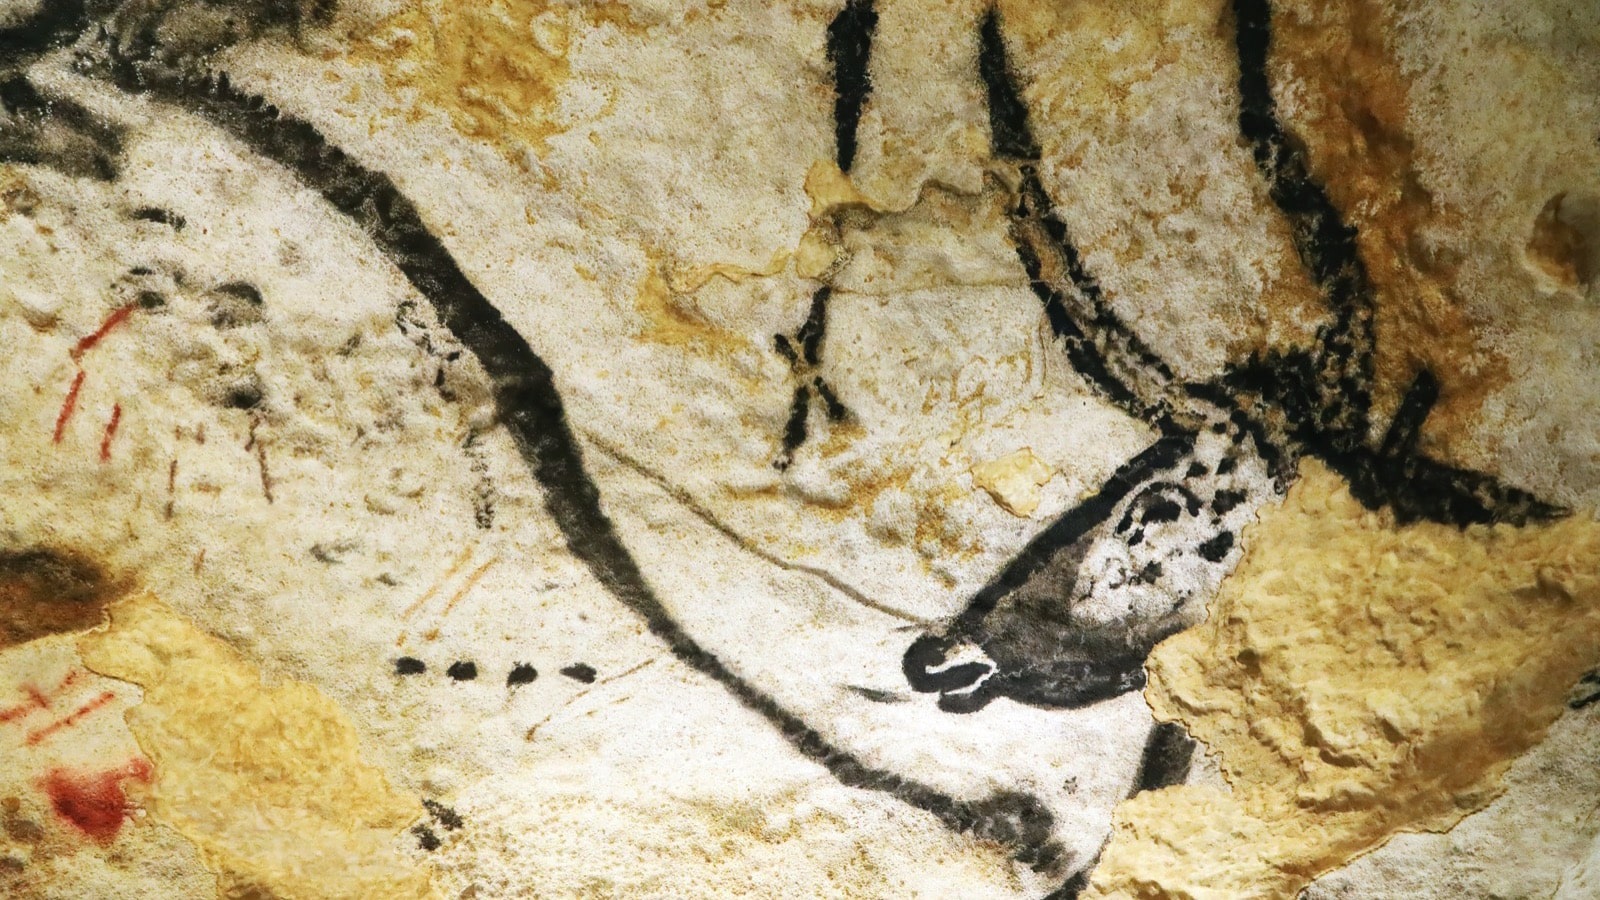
95 803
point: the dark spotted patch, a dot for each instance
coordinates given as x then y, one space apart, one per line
580 672
1226 501
426 839
1162 511
160 217
47 591
246 394
521 673
464 670
1587 691
1216 549
876 695
235 304
409 665
448 818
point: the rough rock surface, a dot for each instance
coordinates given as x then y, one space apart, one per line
850 448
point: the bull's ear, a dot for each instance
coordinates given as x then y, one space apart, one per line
1420 489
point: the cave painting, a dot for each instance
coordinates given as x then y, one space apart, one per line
1069 621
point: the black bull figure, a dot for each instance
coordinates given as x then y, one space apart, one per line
1073 617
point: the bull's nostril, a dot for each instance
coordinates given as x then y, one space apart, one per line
928 668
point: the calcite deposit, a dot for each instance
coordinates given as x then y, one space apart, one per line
805 448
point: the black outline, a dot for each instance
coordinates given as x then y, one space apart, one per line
530 407
850 54
1314 403
1324 397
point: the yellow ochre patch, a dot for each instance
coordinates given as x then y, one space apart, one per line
267 781
496 68
1355 679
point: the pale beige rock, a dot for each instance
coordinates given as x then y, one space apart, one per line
1014 480
1355 679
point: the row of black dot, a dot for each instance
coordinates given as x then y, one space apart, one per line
467 670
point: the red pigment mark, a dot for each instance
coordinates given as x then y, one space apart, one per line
172 483
111 432
70 719
37 696
68 405
112 321
261 459
94 803
36 701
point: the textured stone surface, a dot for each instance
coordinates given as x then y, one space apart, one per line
632 449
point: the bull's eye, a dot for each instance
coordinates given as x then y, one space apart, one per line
1157 504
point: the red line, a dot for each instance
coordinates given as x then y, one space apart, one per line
37 699
172 482
13 713
71 720
111 432
112 321
68 405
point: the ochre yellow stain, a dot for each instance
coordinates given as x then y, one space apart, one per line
268 781
670 317
16 195
1355 679
1351 102
1130 43
495 67
687 281
831 190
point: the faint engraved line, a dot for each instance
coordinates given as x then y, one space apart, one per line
438 584
467 586
579 695
700 512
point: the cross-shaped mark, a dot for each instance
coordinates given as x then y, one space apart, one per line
804 353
